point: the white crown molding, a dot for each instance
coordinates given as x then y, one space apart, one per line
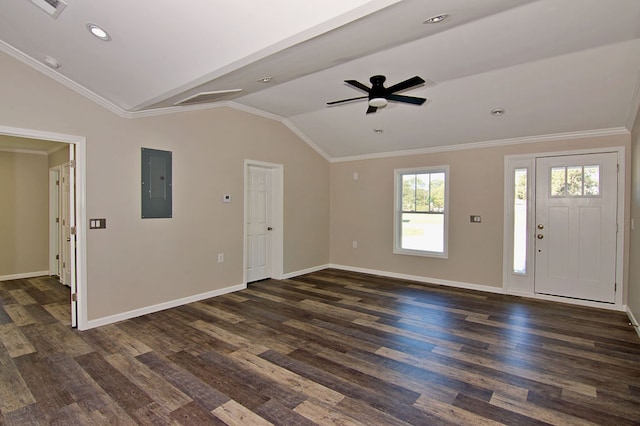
488 144
70 84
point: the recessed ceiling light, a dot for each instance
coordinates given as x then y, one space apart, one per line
436 19
98 32
265 80
378 131
51 62
497 112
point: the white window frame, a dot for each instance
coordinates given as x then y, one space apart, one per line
518 282
397 215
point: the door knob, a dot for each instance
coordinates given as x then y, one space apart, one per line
269 229
540 236
540 226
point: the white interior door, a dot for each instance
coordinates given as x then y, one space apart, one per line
68 240
65 220
576 227
54 221
258 223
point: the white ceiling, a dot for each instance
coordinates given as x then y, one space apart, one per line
555 66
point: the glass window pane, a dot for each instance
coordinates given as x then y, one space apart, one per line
437 193
592 180
422 232
408 193
558 181
422 193
574 181
520 222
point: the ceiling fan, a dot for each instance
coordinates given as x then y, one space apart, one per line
380 95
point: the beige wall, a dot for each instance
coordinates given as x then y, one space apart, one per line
362 210
24 235
59 157
136 263
634 250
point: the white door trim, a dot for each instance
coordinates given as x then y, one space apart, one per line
80 273
524 285
277 212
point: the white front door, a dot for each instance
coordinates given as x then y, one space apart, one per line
576 227
258 223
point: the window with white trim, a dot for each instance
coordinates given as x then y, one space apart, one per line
421 212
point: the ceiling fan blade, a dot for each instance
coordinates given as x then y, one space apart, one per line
371 110
406 99
346 100
357 84
413 81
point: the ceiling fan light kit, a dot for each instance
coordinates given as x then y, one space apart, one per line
378 102
380 95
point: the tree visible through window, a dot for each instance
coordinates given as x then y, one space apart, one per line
421 214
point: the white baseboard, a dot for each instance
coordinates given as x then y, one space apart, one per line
162 306
24 275
426 280
305 271
634 321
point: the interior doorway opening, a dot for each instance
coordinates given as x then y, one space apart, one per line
76 254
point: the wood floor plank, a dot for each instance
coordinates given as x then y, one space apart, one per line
560 381
14 391
324 415
40 375
279 414
15 341
129 396
19 315
240 383
234 414
182 379
158 389
195 415
22 297
329 347
290 379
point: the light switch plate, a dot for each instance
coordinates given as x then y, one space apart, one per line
97 223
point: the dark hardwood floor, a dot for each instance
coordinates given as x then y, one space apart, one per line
330 347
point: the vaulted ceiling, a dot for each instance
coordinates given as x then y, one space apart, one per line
554 66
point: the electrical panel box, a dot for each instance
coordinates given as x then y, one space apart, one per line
156 184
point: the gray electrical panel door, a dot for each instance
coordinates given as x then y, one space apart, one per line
156 183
